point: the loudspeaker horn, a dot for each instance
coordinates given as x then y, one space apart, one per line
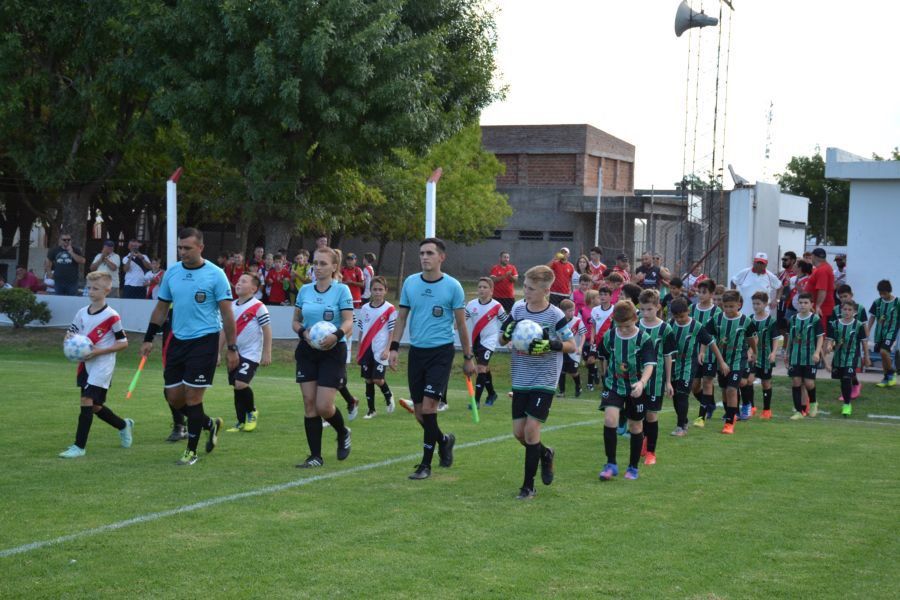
687 18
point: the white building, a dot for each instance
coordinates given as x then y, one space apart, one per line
873 225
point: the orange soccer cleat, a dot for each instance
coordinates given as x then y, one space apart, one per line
728 429
767 414
650 458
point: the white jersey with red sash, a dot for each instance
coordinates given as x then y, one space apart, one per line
601 320
579 331
375 325
103 329
250 316
484 321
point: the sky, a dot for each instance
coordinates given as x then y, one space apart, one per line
828 67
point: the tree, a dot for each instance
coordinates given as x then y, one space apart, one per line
805 176
297 94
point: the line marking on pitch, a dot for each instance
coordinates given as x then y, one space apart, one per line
269 489
894 417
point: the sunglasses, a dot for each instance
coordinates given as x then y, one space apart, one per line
65 239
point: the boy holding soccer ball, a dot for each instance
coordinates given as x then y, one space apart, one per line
103 327
535 373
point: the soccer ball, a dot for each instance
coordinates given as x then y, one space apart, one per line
319 331
77 347
526 331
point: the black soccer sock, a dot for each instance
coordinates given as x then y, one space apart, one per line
178 415
112 418
479 386
250 400
386 390
577 380
561 384
370 396
710 403
592 374
855 379
85 418
682 403
337 421
347 396
811 394
747 395
532 458
610 439
489 383
431 437
195 422
767 399
239 411
651 431
846 389
701 398
730 414
637 442
798 399
313 426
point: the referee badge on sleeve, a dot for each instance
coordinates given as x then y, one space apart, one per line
200 297
437 311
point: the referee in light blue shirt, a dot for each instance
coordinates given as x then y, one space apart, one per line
432 301
202 294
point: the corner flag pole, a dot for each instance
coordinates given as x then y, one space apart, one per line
172 218
431 202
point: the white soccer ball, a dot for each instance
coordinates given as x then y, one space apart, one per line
319 331
77 347
526 331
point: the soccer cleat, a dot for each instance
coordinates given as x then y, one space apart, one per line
311 462
179 432
745 412
883 383
370 414
813 409
72 451
187 459
847 410
631 473
126 434
700 422
590 387
892 380
560 394
644 447
390 406
728 428
752 411
445 450
442 406
325 424
679 432
577 392
510 394
855 391
343 448
235 428
250 423
609 471
421 472
547 467
650 459
797 416
767 414
407 405
352 409
489 401
213 438
526 493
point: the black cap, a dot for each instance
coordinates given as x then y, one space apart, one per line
622 256
820 252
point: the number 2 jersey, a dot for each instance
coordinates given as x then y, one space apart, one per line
250 316
539 371
375 325
103 328
484 321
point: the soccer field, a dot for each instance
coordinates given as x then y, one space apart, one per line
781 509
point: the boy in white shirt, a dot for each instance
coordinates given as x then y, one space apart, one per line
375 324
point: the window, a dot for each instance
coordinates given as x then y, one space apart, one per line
562 236
536 236
496 236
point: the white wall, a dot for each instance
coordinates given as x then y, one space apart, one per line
753 226
873 237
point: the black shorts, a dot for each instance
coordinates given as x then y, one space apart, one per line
569 365
709 369
634 407
746 371
95 393
886 344
533 403
555 298
732 380
482 355
763 373
843 372
802 371
653 403
586 352
682 387
245 371
369 368
328 368
428 372
191 362
506 303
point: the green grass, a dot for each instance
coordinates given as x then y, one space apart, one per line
781 509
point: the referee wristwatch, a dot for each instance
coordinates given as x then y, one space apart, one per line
232 347
468 356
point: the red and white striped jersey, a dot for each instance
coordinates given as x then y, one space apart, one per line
250 316
103 328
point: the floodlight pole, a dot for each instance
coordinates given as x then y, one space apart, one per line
172 218
599 199
431 202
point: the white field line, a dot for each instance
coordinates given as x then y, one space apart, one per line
895 417
269 489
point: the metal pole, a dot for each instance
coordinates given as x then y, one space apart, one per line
431 203
172 218
825 228
651 231
599 197
623 224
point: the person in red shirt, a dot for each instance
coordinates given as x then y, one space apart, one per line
26 279
504 275
352 276
621 267
597 267
563 270
234 269
821 284
278 281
